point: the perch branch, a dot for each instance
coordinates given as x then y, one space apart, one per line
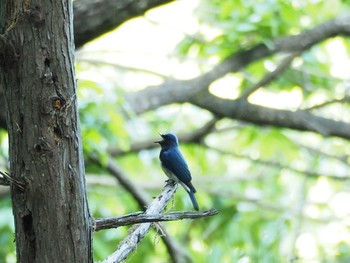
176 251
138 232
140 217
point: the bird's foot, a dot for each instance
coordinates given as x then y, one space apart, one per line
170 181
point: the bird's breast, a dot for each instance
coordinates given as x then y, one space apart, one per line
170 174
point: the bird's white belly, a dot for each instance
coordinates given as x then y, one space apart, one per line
174 178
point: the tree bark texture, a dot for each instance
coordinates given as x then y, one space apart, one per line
52 219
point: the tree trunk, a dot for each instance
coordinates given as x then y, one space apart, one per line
52 219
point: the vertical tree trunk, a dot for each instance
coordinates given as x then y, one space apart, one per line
52 219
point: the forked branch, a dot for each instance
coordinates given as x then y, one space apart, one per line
138 232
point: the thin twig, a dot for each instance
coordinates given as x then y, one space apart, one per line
279 165
7 180
270 76
341 158
140 217
329 102
98 62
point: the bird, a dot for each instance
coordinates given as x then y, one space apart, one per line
174 165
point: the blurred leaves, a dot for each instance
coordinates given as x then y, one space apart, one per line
7 237
278 191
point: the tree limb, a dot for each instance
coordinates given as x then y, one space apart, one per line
180 91
196 92
140 217
176 251
340 158
7 180
137 233
95 18
345 99
296 120
280 166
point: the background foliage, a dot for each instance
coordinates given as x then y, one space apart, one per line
282 195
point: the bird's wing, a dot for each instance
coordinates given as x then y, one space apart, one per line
173 160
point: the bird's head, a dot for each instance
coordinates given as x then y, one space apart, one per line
169 140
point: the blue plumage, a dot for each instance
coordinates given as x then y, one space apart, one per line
175 166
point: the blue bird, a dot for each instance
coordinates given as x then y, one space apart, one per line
175 166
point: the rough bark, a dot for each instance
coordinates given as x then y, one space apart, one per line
51 214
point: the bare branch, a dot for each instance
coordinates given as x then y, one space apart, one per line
98 63
277 207
95 18
140 217
341 158
279 165
180 91
176 251
345 99
7 180
298 120
271 76
196 92
138 232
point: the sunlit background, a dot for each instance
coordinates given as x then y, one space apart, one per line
282 195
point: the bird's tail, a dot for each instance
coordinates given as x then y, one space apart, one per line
193 199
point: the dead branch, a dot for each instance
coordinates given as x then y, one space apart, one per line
140 217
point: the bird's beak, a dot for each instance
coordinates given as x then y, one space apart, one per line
161 140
